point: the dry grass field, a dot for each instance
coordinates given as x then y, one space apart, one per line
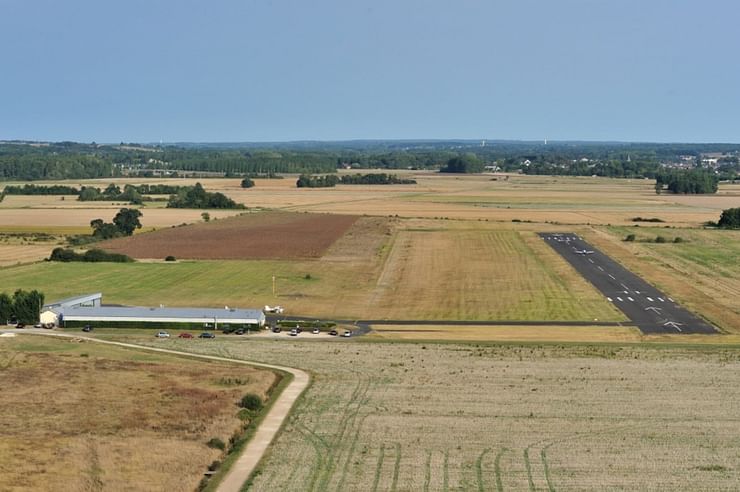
268 235
81 416
478 271
399 416
423 256
380 268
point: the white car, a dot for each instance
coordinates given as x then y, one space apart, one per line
163 334
347 333
315 331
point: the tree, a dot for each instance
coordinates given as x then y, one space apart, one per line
27 305
104 230
206 216
465 163
247 182
127 220
730 219
6 307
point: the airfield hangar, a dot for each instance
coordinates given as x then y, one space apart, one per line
89 309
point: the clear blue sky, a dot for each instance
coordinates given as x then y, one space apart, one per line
257 70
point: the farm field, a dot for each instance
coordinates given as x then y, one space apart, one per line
83 416
400 416
563 199
249 236
380 269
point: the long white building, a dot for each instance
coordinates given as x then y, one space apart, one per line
88 309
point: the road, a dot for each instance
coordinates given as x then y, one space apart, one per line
265 433
648 308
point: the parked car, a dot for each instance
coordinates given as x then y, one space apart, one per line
87 329
38 325
333 333
347 333
315 331
20 326
293 332
162 334
276 329
205 334
185 335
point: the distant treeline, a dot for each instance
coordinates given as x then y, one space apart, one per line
331 180
30 189
693 181
130 193
307 181
374 179
197 197
69 160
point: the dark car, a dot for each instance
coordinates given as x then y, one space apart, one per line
240 331
333 333
87 329
20 326
205 334
276 329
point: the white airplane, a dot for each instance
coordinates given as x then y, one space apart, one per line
583 251
273 310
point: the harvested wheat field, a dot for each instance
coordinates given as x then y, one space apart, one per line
81 416
268 235
403 416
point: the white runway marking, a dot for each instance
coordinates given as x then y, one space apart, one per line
612 276
610 299
661 299
624 287
600 268
590 260
619 299
670 299
650 299
631 299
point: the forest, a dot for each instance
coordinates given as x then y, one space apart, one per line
28 161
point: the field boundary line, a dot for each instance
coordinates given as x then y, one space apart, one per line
268 429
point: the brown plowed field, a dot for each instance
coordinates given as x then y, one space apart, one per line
269 235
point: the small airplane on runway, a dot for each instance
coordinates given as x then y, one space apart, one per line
583 251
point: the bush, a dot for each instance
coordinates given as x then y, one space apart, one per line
90 256
678 240
216 443
251 401
730 219
630 237
661 240
170 258
247 182
214 466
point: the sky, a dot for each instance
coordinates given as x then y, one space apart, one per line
281 70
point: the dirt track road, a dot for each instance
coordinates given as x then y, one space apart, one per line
267 430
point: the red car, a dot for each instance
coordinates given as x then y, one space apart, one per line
185 335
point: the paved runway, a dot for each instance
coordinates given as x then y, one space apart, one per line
648 308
